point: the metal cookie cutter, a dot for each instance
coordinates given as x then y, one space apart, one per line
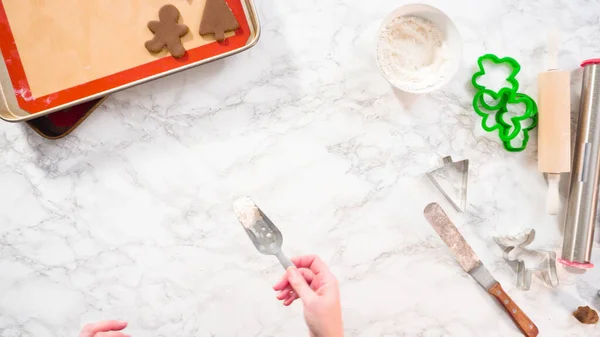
451 180
526 261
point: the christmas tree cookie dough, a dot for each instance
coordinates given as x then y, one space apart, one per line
217 19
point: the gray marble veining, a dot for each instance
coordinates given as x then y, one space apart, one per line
130 217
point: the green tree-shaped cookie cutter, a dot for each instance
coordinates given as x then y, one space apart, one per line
503 98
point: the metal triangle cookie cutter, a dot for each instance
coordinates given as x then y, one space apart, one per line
451 179
527 261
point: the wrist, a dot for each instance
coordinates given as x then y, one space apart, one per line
333 332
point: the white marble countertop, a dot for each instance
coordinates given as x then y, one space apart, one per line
130 217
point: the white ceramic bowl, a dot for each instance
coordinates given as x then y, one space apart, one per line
452 39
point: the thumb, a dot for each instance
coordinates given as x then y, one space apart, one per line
299 284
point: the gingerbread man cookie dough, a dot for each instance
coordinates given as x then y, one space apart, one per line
167 32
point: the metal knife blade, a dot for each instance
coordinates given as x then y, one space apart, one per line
465 255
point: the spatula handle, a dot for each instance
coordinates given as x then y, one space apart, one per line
523 322
285 262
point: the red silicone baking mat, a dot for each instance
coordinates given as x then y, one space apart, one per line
62 51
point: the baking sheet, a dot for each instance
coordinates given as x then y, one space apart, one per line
61 52
61 123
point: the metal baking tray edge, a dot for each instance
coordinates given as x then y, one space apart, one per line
5 98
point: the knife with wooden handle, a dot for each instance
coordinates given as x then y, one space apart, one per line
466 257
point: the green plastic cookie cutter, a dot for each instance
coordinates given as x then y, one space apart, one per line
504 98
507 142
511 62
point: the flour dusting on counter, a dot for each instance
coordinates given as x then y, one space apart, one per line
413 53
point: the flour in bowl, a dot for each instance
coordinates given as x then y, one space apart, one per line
413 54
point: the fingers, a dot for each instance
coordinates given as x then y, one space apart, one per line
311 262
92 329
293 296
287 295
289 301
299 285
283 283
318 267
111 334
288 290
314 274
282 295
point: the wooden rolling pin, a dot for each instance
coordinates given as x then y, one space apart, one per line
554 131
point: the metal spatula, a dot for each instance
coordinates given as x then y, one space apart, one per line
265 236
467 259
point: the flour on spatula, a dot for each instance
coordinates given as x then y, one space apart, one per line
247 212
413 53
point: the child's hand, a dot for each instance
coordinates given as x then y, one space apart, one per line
318 289
104 329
